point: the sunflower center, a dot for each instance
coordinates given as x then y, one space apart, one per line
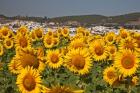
29 60
87 33
33 35
129 45
78 61
110 38
111 74
54 58
99 50
128 61
23 42
5 32
55 42
39 34
50 33
124 35
8 43
49 41
65 31
29 82
112 51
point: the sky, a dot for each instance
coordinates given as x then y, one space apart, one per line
57 8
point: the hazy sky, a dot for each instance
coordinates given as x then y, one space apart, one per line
55 8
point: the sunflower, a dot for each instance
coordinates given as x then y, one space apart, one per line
124 33
39 33
56 34
65 32
135 80
77 36
54 59
32 36
30 57
112 51
1 49
23 30
77 43
8 43
87 33
29 81
110 75
59 31
110 37
128 43
22 42
78 61
56 41
40 53
5 32
49 33
137 39
14 66
11 34
48 41
61 89
98 50
63 50
127 62
80 30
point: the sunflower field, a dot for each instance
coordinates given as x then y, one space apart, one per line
55 62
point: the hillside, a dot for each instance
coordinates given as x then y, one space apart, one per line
91 19
88 19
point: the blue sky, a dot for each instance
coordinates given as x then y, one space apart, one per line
55 8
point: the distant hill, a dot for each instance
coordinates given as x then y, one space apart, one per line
81 18
88 19
91 19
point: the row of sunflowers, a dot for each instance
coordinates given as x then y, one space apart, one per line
55 62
